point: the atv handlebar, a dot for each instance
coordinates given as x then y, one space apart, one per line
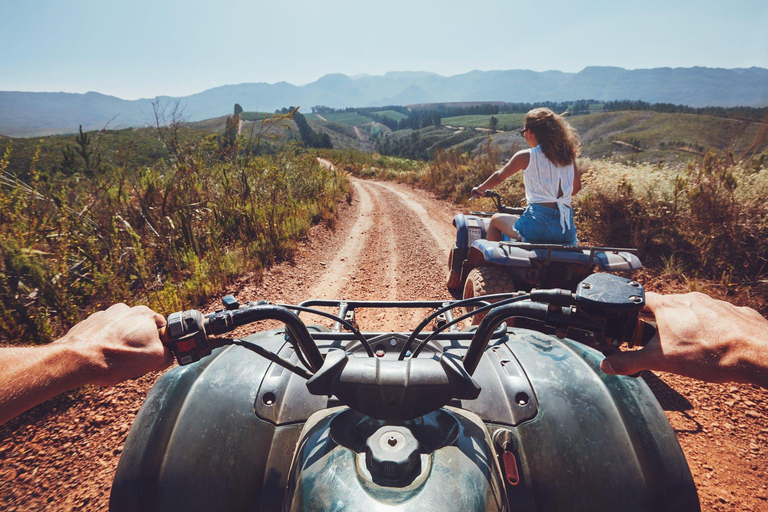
501 208
606 307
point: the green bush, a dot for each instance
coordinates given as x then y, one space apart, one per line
709 219
169 235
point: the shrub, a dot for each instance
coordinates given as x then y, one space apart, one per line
169 235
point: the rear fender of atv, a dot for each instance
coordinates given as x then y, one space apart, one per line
468 229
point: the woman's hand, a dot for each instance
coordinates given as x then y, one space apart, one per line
476 192
700 337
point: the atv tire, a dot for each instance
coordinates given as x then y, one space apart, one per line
454 279
486 281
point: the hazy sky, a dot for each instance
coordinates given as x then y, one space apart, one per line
142 48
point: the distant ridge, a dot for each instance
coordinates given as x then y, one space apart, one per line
25 114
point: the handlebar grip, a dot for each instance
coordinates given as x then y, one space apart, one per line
645 331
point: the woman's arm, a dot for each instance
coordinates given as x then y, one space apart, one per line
517 163
576 180
106 348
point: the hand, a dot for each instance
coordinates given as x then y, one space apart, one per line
700 337
120 343
476 192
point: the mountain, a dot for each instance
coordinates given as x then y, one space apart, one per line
24 114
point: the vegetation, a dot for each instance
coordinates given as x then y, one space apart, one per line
310 137
705 220
506 122
708 219
391 114
98 227
348 118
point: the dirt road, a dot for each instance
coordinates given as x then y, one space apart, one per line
391 243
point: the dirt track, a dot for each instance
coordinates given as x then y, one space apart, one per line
391 243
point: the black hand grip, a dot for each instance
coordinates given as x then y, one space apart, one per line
645 331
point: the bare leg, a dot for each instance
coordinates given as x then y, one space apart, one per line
503 223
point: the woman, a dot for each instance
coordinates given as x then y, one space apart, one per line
550 178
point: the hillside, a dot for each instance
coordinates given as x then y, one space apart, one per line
639 136
24 114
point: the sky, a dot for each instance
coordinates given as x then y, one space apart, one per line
142 49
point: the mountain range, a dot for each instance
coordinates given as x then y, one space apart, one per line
25 114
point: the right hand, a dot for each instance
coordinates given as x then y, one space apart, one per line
476 192
700 337
120 343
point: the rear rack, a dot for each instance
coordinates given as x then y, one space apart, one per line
568 248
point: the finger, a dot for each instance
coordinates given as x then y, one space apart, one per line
120 306
156 317
626 363
653 301
167 359
159 319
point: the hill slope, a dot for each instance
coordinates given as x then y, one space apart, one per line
30 114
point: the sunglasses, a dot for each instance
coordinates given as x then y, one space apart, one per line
522 132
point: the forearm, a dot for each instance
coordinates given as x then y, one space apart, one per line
748 362
493 180
31 375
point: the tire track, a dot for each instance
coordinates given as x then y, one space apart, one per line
348 257
440 235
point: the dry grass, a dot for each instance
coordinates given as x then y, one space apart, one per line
168 235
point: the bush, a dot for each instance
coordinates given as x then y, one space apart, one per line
169 235
709 218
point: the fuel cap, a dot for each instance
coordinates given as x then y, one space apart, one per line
392 456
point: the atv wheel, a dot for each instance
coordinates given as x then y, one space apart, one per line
454 279
486 281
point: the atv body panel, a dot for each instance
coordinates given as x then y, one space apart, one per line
549 431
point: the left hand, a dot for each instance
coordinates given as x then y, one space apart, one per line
120 343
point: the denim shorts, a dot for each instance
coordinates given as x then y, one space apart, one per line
541 224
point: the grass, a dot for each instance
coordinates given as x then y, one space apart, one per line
169 234
254 116
391 114
348 118
507 122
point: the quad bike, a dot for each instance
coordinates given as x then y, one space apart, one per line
306 418
481 267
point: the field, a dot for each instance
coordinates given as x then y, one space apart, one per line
391 114
348 118
507 122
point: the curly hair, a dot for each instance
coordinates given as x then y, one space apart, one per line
558 140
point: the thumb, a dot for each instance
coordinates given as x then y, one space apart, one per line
625 363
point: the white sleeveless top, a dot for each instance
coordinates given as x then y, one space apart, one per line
541 179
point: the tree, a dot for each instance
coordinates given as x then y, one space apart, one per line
493 124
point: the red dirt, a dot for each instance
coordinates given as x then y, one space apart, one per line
62 454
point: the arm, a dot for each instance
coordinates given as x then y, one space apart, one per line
106 348
703 338
576 180
517 163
